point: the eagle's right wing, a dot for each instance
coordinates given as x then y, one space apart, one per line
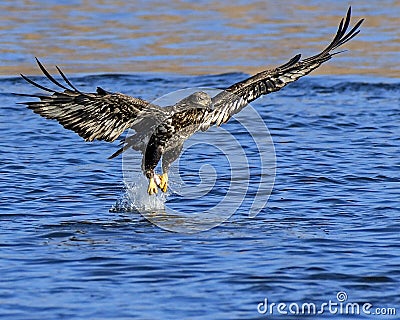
236 97
102 115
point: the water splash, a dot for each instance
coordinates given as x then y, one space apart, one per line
136 198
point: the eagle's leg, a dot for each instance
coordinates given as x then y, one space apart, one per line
163 181
150 160
152 188
167 159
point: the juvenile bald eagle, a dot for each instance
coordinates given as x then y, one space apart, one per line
160 132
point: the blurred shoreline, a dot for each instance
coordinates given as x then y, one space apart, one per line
205 37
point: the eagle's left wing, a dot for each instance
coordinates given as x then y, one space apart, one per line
236 97
99 115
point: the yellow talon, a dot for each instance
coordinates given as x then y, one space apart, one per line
163 182
152 189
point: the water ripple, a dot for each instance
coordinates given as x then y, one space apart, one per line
331 223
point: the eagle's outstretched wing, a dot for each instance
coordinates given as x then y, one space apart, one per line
102 115
236 97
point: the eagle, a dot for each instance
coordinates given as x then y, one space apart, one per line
161 131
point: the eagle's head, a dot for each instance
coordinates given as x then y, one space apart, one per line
199 99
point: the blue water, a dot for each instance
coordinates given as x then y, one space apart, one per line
331 224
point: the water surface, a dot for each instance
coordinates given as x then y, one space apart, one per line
331 224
